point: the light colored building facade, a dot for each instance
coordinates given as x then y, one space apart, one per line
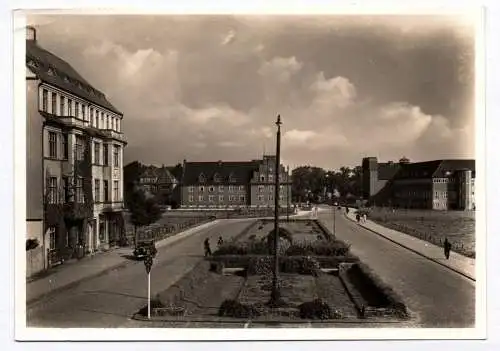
74 159
232 184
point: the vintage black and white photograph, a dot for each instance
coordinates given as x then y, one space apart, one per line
250 171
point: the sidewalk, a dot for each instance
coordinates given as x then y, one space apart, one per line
461 264
68 275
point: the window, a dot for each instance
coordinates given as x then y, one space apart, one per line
221 188
64 146
97 153
230 188
116 190
242 198
191 189
79 190
281 198
261 197
270 178
93 114
201 189
231 197
270 198
77 109
200 197
211 198
52 145
70 107
117 125
116 154
102 120
79 148
191 198
52 238
221 198
84 115
62 106
97 190
261 188
262 178
52 193
242 188
66 190
45 100
105 154
108 126
54 103
211 189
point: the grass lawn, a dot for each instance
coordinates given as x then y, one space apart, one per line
433 226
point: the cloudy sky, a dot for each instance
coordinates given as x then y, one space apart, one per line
210 87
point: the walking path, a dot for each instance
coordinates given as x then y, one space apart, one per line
72 273
461 264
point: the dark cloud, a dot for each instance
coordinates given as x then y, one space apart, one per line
210 87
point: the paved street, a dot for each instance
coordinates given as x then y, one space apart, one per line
110 300
440 296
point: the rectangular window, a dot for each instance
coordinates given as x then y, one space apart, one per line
230 188
45 100
84 114
94 116
200 197
116 190
221 188
116 155
270 178
221 198
261 197
242 198
52 238
105 190
261 188
66 190
64 146
211 198
191 189
270 198
52 190
70 107
52 145
54 103
62 105
105 154
102 121
79 190
79 148
242 188
77 109
191 198
201 189
97 190
211 189
97 153
108 125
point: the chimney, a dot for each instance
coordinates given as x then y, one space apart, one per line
31 33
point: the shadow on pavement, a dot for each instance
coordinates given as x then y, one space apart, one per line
114 293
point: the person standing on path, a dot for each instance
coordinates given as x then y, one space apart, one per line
208 251
364 217
447 248
358 217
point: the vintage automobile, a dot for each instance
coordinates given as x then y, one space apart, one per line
144 247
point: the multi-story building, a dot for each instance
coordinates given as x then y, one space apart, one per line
437 185
157 181
74 158
233 184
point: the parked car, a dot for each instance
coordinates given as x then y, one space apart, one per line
144 247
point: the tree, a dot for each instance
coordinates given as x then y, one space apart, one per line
143 211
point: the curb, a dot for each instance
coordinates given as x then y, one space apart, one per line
415 251
33 301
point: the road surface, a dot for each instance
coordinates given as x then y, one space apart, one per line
440 297
110 300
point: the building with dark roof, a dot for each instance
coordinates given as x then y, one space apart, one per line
157 181
437 184
232 184
74 159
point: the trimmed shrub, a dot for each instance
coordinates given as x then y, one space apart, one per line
316 309
300 264
235 309
260 265
155 303
330 248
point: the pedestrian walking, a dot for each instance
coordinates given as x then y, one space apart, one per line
358 217
447 248
208 250
364 217
220 242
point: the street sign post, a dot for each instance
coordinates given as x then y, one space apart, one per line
148 262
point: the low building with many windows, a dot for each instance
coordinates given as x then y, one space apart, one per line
437 185
223 184
74 159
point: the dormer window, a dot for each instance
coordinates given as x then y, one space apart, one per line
217 178
201 178
232 179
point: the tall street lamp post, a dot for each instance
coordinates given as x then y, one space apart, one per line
275 292
287 193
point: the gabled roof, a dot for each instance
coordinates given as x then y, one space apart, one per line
434 169
55 71
241 171
449 167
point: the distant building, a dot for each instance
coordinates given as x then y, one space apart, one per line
233 184
437 185
157 180
74 155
